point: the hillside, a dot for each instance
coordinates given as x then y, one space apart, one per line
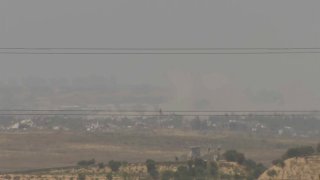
295 168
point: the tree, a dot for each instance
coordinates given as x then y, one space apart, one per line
241 158
114 165
278 162
213 168
258 170
234 156
254 169
249 164
199 163
182 173
151 168
190 164
299 152
197 169
81 177
101 165
167 175
109 176
200 167
176 159
272 173
87 163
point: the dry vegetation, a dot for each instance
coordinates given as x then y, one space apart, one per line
39 149
133 171
306 168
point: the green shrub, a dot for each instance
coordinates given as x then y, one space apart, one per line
81 177
258 170
152 169
109 176
213 169
197 169
114 165
101 165
272 173
278 162
299 152
86 163
254 169
182 173
318 148
167 175
249 164
234 156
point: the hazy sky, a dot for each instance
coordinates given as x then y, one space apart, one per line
166 24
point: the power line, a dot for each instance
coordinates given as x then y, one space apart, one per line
164 111
158 51
153 115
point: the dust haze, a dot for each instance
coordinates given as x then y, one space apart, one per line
176 81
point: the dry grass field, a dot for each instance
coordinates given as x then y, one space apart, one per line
132 171
306 168
46 149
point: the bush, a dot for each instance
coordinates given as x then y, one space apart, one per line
101 165
86 163
250 164
272 173
197 169
299 152
152 169
167 175
234 156
258 170
182 173
199 163
255 170
213 169
114 165
318 148
278 162
81 177
109 176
